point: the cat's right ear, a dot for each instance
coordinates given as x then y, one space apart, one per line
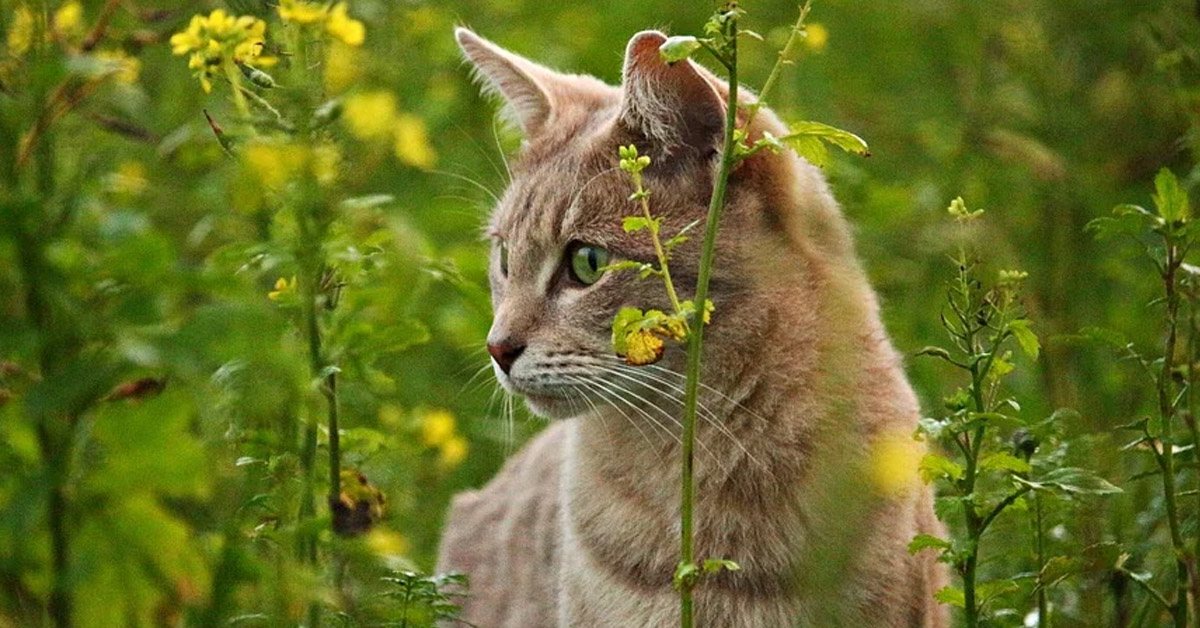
525 86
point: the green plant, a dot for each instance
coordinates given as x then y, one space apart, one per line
1166 235
983 321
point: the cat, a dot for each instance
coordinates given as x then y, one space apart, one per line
581 527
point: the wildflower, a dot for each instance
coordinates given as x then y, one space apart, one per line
20 33
895 462
816 37
412 142
344 28
325 162
642 348
342 66
371 115
68 22
452 452
437 427
303 13
283 289
958 209
215 41
1012 278
274 164
387 543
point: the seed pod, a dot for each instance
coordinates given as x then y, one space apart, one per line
256 76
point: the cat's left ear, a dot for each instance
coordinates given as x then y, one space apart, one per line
673 105
526 87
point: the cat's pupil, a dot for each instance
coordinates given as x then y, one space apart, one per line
504 259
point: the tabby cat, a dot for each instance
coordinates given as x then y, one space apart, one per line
581 527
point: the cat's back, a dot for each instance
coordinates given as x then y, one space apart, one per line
505 537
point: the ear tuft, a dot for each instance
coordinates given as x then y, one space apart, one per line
519 81
673 105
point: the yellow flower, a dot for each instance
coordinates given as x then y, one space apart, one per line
412 142
343 27
370 115
122 67
342 66
299 12
20 32
895 462
817 37
453 452
283 288
129 178
274 164
437 427
386 543
643 347
325 162
214 41
68 21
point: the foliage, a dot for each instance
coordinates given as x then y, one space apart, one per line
156 398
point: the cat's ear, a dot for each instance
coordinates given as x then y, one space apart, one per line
524 85
673 105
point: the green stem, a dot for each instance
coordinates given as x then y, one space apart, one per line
1179 610
777 69
696 337
663 266
235 84
1039 538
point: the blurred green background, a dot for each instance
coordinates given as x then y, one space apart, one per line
1045 112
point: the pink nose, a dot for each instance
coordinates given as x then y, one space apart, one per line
505 354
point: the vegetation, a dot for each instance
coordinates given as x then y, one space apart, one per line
242 305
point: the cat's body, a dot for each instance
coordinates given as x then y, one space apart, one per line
581 528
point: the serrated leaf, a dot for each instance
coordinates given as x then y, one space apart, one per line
987 590
934 466
808 138
678 48
1025 337
1002 461
927 541
633 224
951 595
1079 481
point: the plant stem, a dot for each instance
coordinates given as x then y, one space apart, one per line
696 337
663 266
1039 538
777 69
1179 610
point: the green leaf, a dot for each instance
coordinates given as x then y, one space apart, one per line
686 575
633 224
678 48
951 595
927 541
1025 337
806 139
1079 482
623 323
934 466
714 565
1001 461
985 591
1171 200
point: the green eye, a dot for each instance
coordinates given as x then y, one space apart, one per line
587 263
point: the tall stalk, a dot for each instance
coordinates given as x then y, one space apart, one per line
696 337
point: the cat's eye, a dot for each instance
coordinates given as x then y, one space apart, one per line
503 259
587 263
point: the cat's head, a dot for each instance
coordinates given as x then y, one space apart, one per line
560 221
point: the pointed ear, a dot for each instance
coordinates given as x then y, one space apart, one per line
525 86
673 105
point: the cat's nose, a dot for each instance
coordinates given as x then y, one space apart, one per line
505 353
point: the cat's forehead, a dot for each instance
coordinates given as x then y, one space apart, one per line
574 196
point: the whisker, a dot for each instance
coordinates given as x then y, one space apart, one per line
467 179
600 393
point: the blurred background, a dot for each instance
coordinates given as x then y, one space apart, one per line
1046 113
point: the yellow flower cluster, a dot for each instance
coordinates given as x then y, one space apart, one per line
219 39
66 24
439 431
283 289
335 18
373 116
274 164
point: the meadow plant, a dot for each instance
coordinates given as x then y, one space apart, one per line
1165 236
997 459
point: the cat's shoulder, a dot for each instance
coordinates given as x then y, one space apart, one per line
505 538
